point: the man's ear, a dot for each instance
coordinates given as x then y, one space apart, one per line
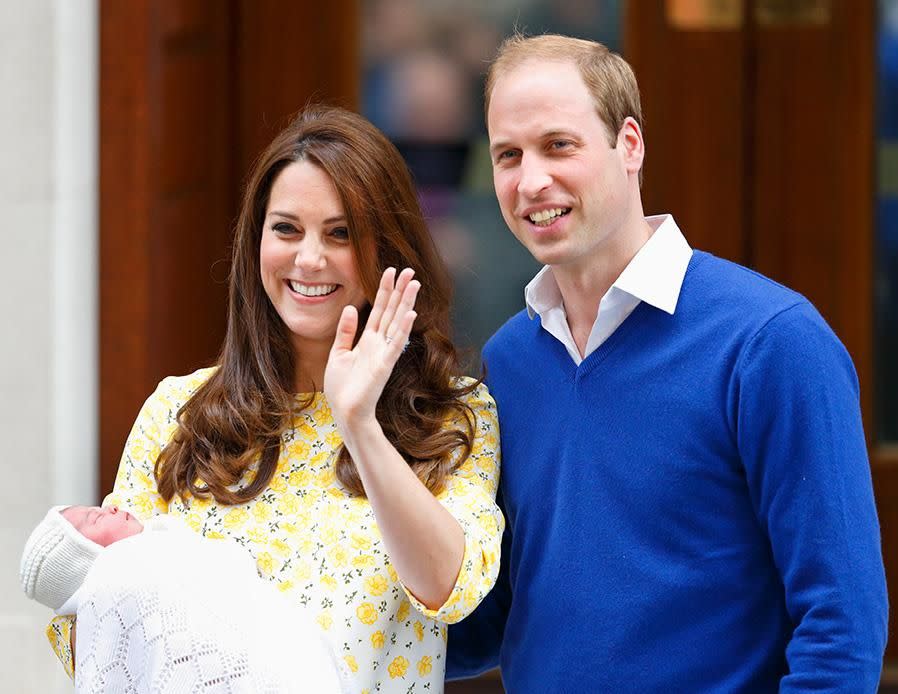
630 142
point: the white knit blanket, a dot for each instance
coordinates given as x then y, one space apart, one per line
175 613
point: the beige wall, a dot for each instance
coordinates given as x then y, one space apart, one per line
48 124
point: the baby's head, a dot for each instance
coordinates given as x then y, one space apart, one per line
60 550
103 525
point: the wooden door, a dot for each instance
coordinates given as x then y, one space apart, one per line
190 93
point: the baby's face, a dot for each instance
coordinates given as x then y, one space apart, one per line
102 525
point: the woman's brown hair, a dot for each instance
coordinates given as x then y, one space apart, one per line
241 412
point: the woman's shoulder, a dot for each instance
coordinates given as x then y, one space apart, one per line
179 389
477 396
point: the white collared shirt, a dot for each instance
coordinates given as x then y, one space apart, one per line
654 275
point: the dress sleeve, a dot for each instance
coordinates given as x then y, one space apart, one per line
798 422
134 489
135 484
470 496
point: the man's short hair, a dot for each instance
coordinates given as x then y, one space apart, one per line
608 77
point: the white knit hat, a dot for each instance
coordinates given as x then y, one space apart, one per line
56 560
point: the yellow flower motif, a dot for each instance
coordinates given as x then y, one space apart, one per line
366 613
300 478
378 639
402 612
393 575
350 662
261 512
319 459
325 621
285 586
278 484
325 478
322 415
419 630
398 667
472 596
143 506
289 528
299 449
425 665
258 535
333 439
235 518
306 431
144 478
329 582
265 562
214 535
362 561
195 522
339 556
359 541
287 504
330 534
488 523
281 547
376 584
303 571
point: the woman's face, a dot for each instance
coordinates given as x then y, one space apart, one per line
307 263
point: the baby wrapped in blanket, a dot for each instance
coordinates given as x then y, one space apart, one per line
161 609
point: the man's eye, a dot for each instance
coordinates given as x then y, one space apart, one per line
561 144
507 154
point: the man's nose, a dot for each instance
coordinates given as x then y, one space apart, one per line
535 178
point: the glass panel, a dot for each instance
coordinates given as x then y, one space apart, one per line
422 85
887 224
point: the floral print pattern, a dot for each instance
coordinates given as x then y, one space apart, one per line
322 546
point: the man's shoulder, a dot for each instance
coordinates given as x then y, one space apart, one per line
516 329
717 283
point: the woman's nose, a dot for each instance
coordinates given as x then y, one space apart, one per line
310 254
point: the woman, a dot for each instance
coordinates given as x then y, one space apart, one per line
371 502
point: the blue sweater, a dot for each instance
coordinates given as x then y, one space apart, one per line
689 510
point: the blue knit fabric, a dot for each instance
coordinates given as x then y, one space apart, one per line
689 510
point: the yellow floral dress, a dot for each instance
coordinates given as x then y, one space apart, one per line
323 546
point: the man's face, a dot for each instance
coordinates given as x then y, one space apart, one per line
102 525
564 191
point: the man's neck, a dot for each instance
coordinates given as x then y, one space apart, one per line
583 286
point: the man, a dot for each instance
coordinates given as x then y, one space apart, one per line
685 477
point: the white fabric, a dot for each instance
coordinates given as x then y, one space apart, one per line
55 560
654 275
173 612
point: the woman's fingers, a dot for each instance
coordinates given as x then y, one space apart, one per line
384 290
396 295
346 329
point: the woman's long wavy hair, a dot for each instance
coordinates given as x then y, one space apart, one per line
240 413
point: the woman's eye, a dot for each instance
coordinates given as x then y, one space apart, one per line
283 228
341 233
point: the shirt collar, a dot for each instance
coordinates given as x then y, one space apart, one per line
654 275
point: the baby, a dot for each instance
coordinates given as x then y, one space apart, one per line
63 547
169 611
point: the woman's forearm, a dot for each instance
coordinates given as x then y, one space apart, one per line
425 542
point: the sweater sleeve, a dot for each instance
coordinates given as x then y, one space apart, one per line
469 495
800 436
134 489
